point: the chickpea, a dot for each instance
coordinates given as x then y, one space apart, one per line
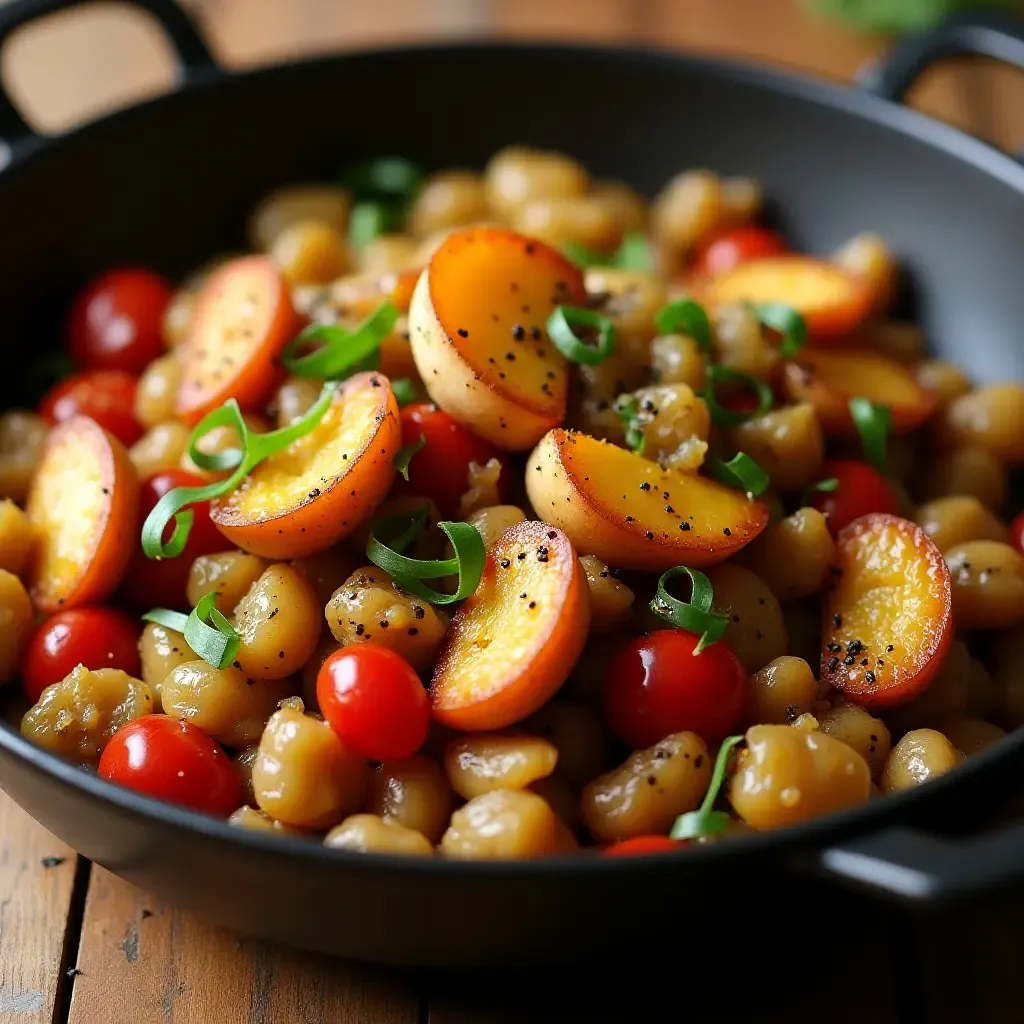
177 318
517 174
253 820
310 252
742 199
958 519
945 380
161 651
631 298
155 391
225 703
367 833
326 570
675 424
738 341
286 206
448 200
563 801
16 622
627 207
756 631
868 257
479 762
17 538
493 520
22 436
569 220
946 695
578 736
677 359
649 790
279 623
610 600
852 725
230 575
244 761
789 775
793 556
503 824
982 693
988 584
921 755
972 471
325 647
990 416
293 399
687 209
970 735
303 775
371 606
388 253
482 487
76 717
161 448
781 692
413 793
786 442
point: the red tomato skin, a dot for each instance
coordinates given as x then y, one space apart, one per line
730 247
106 396
656 686
440 469
374 701
93 636
640 846
1017 532
153 583
861 490
173 761
115 322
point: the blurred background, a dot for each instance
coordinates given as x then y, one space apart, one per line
77 64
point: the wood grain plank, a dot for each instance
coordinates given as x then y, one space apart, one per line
142 960
37 877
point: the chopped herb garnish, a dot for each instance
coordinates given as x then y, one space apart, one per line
742 473
562 326
874 424
724 417
338 352
405 454
695 615
206 630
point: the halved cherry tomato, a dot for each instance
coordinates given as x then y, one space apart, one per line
440 470
93 636
656 686
153 583
105 396
115 320
174 761
374 701
1017 532
861 490
641 846
730 247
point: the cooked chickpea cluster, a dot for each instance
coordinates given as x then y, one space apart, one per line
566 701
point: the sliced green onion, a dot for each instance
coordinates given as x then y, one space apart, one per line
720 415
405 527
409 573
695 615
560 330
206 630
371 219
706 821
405 454
742 473
634 253
404 391
628 412
874 424
787 322
821 487
255 447
584 257
340 352
684 316
383 177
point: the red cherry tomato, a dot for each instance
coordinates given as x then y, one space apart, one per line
1017 532
106 396
732 246
440 469
640 846
371 697
173 761
151 583
656 686
861 490
115 320
95 637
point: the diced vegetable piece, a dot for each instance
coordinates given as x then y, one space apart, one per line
633 514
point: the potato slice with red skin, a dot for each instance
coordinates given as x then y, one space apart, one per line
477 328
828 380
832 301
514 641
243 319
633 514
888 620
323 486
83 506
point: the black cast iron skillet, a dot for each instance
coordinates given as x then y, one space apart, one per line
168 183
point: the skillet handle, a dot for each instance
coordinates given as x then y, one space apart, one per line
917 869
193 55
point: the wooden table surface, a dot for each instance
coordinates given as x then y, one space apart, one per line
79 945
